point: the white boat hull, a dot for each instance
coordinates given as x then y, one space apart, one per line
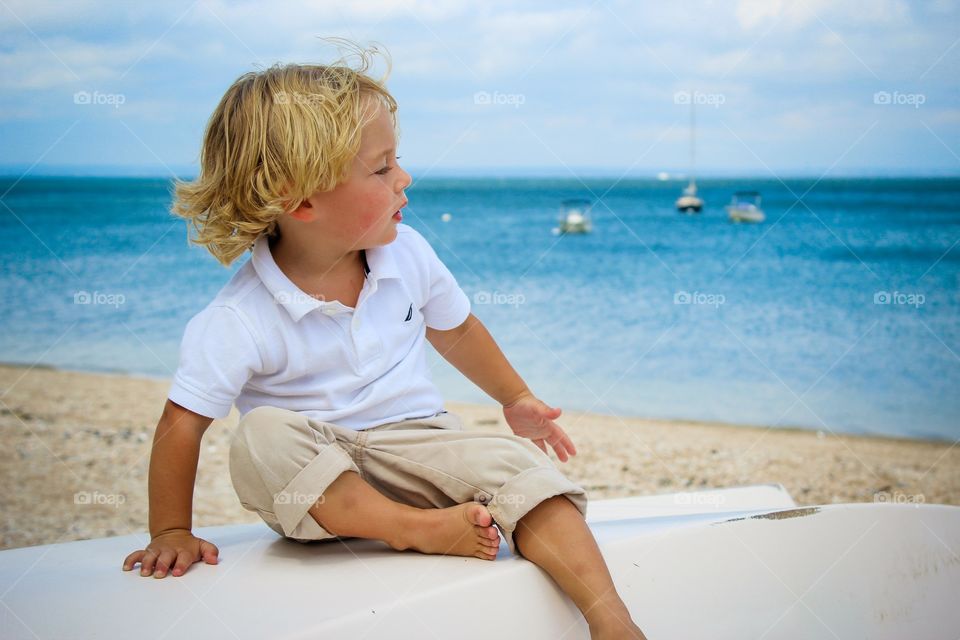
879 571
575 223
746 215
689 204
736 563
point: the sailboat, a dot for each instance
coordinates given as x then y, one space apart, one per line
689 202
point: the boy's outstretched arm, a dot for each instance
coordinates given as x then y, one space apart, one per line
173 471
473 351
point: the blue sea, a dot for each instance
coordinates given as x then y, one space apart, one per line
839 313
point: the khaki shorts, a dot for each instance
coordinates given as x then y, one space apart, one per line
281 462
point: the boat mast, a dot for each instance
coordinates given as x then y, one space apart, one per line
693 142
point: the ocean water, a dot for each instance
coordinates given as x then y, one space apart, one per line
839 313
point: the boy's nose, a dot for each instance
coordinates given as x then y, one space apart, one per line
405 180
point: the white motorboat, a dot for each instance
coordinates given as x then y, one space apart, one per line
575 216
745 207
735 563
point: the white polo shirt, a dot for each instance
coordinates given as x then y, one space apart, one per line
263 341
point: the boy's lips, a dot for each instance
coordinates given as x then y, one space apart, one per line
397 215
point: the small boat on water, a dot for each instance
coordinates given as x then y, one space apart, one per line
575 216
748 561
690 202
745 207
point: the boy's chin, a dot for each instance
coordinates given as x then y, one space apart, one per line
388 236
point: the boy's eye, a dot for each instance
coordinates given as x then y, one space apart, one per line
386 169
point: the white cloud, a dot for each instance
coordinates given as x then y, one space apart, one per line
751 13
514 42
795 15
39 17
597 79
67 63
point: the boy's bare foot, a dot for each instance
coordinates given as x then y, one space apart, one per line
461 530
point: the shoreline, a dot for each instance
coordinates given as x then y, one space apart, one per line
76 449
650 419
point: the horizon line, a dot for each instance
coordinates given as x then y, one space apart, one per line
150 171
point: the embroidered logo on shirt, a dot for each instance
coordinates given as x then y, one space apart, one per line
409 313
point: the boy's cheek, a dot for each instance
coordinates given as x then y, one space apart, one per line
373 214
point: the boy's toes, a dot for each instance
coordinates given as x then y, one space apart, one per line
486 554
487 541
478 515
490 533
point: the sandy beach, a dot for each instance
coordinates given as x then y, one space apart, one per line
76 446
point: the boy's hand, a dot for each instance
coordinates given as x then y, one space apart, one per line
176 549
531 418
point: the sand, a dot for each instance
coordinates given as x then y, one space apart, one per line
75 448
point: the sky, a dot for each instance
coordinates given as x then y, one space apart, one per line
780 88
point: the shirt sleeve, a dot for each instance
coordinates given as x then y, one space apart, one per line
218 355
447 306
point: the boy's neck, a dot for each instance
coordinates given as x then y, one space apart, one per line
316 261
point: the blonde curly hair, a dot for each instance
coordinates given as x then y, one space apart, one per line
277 136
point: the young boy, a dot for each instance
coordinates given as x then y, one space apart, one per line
319 341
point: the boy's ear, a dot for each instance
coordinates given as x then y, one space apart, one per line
304 212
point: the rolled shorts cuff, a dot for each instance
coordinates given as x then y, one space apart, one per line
521 493
293 502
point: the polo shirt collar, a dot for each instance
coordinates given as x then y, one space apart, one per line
380 264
